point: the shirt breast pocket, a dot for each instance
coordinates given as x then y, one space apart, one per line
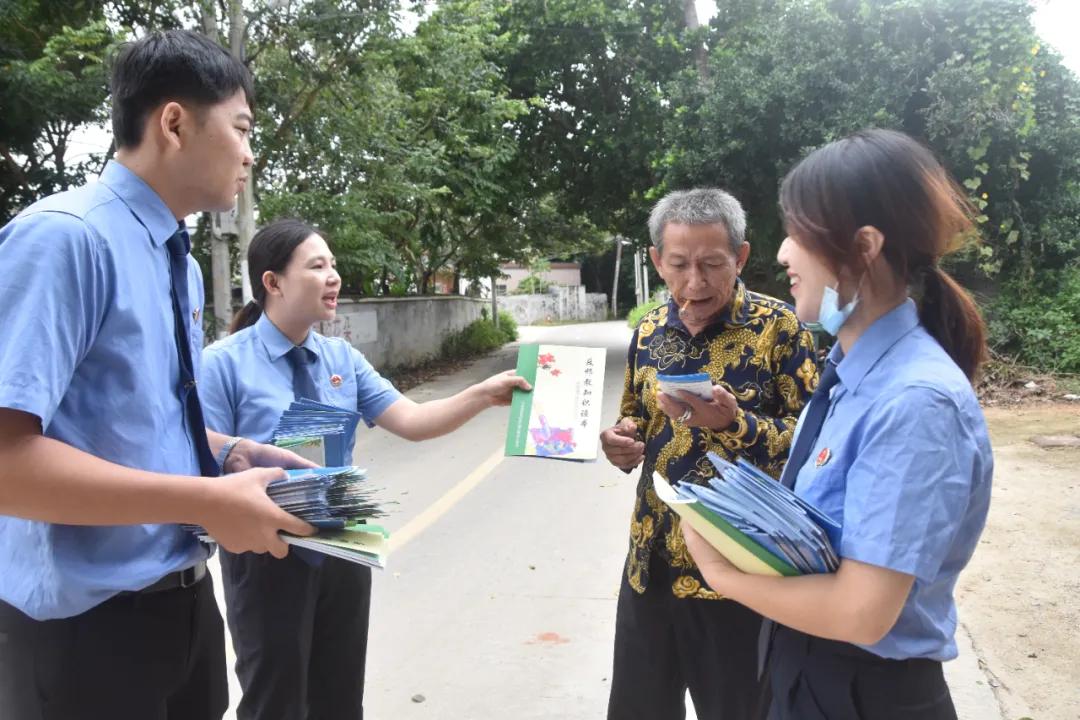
823 481
340 390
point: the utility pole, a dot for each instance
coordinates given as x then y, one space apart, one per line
645 278
615 283
637 276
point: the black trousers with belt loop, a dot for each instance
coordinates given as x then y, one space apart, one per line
817 679
665 646
300 633
138 656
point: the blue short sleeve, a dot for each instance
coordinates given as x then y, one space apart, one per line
374 393
216 391
910 484
54 289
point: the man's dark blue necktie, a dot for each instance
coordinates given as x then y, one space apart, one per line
303 385
179 246
808 435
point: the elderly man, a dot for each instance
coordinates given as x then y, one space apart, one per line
672 632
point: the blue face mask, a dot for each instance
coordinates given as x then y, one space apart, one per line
831 317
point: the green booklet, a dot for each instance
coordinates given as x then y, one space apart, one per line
743 551
560 418
360 543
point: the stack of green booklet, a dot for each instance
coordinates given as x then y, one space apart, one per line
359 543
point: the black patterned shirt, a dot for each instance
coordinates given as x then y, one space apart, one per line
758 351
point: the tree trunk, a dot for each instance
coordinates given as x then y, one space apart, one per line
220 258
701 58
245 206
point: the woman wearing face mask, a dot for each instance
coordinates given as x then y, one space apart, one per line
300 626
892 444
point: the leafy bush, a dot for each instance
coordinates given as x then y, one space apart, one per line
1036 322
480 336
508 326
635 315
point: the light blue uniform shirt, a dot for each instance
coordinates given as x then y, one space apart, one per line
89 348
903 462
246 381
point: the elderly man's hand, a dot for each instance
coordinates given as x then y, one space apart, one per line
621 445
715 414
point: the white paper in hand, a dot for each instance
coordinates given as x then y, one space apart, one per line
699 384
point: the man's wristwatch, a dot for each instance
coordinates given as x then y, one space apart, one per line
227 448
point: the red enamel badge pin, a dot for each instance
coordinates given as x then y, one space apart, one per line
335 380
823 457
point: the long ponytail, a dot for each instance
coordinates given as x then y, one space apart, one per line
950 314
245 317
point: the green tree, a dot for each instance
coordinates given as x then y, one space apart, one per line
51 82
593 73
969 78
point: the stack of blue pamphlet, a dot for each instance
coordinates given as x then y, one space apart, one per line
757 523
316 431
337 500
329 498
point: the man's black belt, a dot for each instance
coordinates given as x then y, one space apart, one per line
176 580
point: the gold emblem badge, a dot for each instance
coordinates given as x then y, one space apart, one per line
195 314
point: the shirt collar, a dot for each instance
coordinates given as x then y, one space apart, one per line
874 343
141 199
275 342
736 314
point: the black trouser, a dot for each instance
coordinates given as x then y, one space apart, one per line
145 656
300 635
665 645
816 679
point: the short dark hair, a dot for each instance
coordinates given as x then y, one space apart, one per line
168 65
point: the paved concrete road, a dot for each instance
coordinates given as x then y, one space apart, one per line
499 601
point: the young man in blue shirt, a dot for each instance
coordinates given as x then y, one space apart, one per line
106 610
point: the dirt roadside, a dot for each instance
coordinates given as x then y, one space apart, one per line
1020 596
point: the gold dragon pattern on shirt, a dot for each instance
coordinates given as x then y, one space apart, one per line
757 351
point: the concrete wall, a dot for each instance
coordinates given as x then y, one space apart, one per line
559 304
402 331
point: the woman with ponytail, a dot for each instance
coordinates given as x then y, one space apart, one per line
892 445
300 625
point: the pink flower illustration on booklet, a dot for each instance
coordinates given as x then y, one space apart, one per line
552 442
547 362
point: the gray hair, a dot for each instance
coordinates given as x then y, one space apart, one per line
700 206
